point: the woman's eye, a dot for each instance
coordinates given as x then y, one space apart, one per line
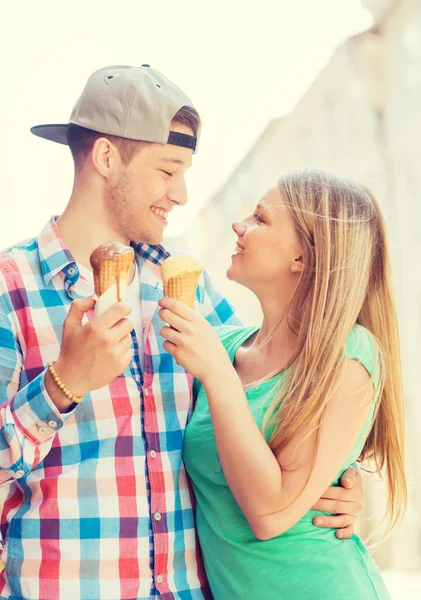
168 173
258 218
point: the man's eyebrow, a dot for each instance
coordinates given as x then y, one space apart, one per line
175 161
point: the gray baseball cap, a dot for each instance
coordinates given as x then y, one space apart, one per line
136 103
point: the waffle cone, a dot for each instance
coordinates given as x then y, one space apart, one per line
113 270
183 287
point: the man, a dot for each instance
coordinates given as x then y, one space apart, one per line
99 506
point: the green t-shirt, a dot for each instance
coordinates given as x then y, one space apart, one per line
304 563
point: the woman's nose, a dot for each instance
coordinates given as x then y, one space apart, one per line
239 228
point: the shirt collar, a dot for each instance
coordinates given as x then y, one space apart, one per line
154 254
55 257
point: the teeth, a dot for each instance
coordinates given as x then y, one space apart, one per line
159 211
238 250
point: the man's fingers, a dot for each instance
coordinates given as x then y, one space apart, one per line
78 308
126 343
128 355
113 315
336 507
348 478
333 493
336 522
121 329
345 533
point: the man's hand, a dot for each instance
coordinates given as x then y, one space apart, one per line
345 504
91 354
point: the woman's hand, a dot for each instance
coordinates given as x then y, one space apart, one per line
191 340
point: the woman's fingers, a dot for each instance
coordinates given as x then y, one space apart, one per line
172 335
179 308
171 349
177 322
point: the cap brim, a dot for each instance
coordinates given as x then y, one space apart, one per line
54 133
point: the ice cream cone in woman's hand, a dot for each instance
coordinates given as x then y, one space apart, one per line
180 276
113 267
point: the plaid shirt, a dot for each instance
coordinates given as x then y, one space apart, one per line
99 506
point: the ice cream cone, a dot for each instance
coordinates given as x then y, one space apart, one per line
180 276
112 264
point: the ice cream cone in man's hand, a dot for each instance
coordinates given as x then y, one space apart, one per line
113 267
180 276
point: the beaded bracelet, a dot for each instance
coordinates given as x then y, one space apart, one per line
61 385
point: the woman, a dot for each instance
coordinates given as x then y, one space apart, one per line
265 439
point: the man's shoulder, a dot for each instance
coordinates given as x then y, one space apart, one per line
13 258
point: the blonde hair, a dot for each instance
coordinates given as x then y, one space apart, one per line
346 280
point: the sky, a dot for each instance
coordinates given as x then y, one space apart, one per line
242 63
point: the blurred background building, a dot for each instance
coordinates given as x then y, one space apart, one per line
360 118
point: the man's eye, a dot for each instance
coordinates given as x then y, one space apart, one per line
258 218
168 173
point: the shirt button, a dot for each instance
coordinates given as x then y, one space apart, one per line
153 454
157 516
71 271
52 424
19 473
159 579
145 392
42 429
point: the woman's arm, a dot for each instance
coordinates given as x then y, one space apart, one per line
259 481
262 483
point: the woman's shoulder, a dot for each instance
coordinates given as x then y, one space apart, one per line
230 334
361 345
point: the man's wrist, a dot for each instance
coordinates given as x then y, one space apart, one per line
60 400
58 397
70 380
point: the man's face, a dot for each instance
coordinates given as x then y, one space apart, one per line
149 188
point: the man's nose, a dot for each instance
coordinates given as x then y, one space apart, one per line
178 192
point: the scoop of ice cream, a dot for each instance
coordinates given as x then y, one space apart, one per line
180 276
108 251
178 265
113 267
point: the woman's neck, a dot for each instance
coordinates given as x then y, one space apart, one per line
271 349
278 334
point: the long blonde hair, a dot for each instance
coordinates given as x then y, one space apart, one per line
346 280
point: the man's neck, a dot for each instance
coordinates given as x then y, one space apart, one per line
85 225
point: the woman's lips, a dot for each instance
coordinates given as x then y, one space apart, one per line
238 251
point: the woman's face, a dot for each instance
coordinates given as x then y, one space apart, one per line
268 255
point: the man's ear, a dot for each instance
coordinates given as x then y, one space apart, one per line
297 266
104 156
